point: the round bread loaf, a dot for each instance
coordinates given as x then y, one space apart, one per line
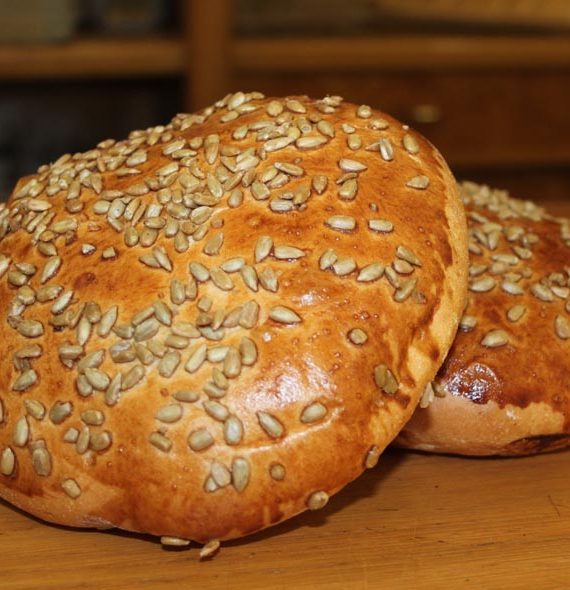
504 388
216 324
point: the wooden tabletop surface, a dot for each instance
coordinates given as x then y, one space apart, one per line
413 522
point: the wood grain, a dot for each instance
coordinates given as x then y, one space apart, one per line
416 521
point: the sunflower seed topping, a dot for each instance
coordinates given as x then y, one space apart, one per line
21 432
410 144
7 462
542 292
271 425
313 413
341 222
284 315
199 440
562 327
41 461
418 182
483 285
71 488
170 413
317 500
30 328
357 336
495 338
233 430
385 379
344 266
26 380
380 225
209 549
287 253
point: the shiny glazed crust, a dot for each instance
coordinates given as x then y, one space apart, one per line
508 394
258 362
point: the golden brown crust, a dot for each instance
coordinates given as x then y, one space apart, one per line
511 398
295 412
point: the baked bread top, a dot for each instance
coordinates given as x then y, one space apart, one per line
505 386
215 324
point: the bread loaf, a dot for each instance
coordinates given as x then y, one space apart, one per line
216 324
504 389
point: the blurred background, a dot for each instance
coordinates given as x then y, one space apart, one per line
488 81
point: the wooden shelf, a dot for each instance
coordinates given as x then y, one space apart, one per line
402 52
166 56
94 57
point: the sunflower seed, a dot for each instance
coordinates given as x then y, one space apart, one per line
62 302
348 165
199 272
200 439
407 255
196 359
186 396
26 380
248 351
357 336
319 183
313 413
277 471
100 441
249 276
30 328
93 417
372 272
240 473
515 313
108 320
41 461
317 500
363 112
405 290
7 462
233 430
348 190
93 360
209 549
372 456
278 143
271 425
31 351
169 363
83 441
542 292
268 279
97 379
169 414
467 323
284 315
33 407
344 266
310 142
71 488
385 379
60 411
132 377
162 313
21 432
562 327
50 269
327 259
287 253
418 182
146 330
263 248
386 150
495 338
482 285
341 222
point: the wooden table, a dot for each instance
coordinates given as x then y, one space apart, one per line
413 522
